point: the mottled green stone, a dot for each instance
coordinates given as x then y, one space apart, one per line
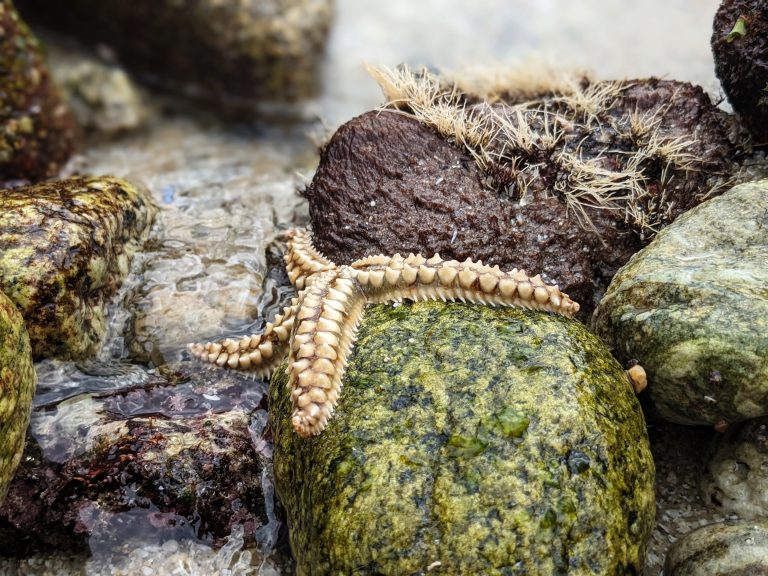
37 132
692 307
17 386
722 549
488 440
65 246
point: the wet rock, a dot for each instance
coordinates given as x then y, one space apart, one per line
736 475
573 202
722 549
37 132
65 246
17 386
692 309
740 47
266 49
178 456
103 98
470 439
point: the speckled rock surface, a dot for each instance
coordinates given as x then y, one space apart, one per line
175 455
693 309
37 132
103 98
723 549
473 439
387 183
266 49
736 475
17 386
65 246
740 48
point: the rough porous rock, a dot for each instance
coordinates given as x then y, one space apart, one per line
692 308
722 549
17 386
176 456
740 47
736 475
65 246
102 96
252 49
37 131
389 183
472 439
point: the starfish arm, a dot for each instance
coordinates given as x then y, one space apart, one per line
326 324
302 261
258 353
387 279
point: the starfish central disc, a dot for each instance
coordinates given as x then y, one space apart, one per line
317 330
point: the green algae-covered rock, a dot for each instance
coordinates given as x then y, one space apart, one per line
269 49
692 307
37 133
474 439
17 386
721 549
65 247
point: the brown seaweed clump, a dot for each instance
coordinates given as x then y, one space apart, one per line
560 175
37 131
740 47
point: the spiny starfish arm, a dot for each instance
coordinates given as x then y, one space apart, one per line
387 279
303 262
257 353
326 324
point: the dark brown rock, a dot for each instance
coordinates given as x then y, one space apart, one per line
740 48
37 132
387 183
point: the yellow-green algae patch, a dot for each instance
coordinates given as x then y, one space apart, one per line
475 440
64 248
17 386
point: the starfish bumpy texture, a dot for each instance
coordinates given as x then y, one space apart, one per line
317 330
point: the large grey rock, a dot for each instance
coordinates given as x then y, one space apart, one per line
692 307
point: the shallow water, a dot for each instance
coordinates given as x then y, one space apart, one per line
226 191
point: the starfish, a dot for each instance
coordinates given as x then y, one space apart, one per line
317 330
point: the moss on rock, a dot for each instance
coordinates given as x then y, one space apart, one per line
65 246
17 386
692 307
37 132
476 439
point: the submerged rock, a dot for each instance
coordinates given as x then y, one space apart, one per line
37 132
17 386
474 440
250 49
736 475
692 308
569 185
722 549
65 246
177 456
740 48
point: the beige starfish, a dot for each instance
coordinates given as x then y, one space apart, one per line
318 329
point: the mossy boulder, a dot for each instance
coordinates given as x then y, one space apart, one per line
217 49
474 439
37 132
721 549
65 246
692 308
17 386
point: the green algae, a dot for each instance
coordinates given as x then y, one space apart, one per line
17 386
473 439
692 308
64 249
